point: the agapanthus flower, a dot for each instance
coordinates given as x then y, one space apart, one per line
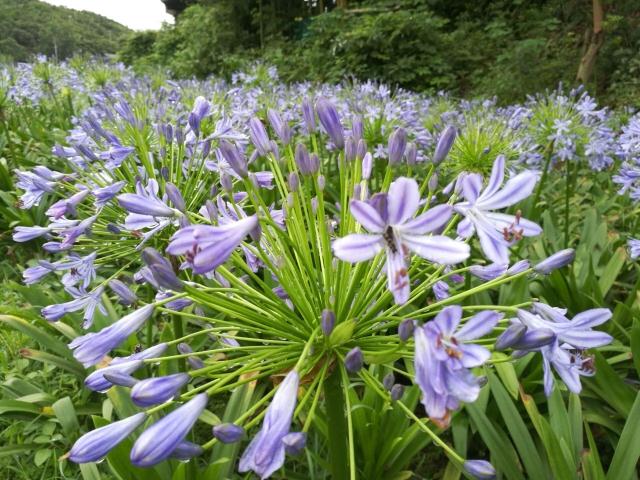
152 391
89 349
34 186
95 445
443 361
572 337
633 245
389 219
265 453
496 231
67 206
104 194
83 300
206 247
158 441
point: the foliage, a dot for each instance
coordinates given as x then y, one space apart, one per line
31 27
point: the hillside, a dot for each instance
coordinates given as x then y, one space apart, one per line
29 27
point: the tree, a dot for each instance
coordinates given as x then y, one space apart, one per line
594 38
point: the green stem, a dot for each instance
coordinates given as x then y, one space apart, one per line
337 423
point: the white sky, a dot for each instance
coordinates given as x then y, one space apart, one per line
135 14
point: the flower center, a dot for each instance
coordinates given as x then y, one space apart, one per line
390 239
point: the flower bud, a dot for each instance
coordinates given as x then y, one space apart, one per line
349 150
330 121
357 128
328 321
282 129
194 362
124 293
397 145
226 182
397 391
480 469
388 381
228 432
158 441
175 197
405 329
353 361
510 336
309 116
94 446
533 339
321 182
518 267
294 442
259 136
367 165
186 451
557 260
120 378
445 143
153 391
361 149
294 181
234 157
412 154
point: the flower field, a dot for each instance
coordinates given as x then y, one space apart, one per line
210 279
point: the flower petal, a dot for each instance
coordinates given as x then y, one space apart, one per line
398 277
428 221
471 186
516 189
497 176
493 245
357 247
402 201
478 325
367 216
448 319
437 248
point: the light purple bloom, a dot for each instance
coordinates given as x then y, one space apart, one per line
496 231
25 234
488 272
146 201
265 453
228 432
259 136
443 361
634 248
95 445
89 349
480 469
441 290
330 121
158 441
389 219
152 391
86 301
105 194
67 206
206 247
557 260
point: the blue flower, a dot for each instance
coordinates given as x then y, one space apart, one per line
160 440
265 453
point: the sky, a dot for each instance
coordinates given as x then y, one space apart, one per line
135 14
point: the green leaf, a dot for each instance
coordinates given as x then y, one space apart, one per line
517 429
627 452
502 452
507 373
19 406
66 414
71 366
612 270
610 386
41 456
16 449
635 344
90 471
40 335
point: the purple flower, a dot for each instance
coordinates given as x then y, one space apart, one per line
328 321
397 145
567 358
443 361
488 272
88 302
441 290
265 453
353 360
480 469
105 194
557 260
282 129
34 187
152 391
145 201
94 446
67 206
294 442
186 450
330 121
390 220
406 329
158 441
89 349
25 234
206 247
445 143
309 116
496 231
228 432
98 381
235 158
259 136
124 293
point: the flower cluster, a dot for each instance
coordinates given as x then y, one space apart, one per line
282 246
